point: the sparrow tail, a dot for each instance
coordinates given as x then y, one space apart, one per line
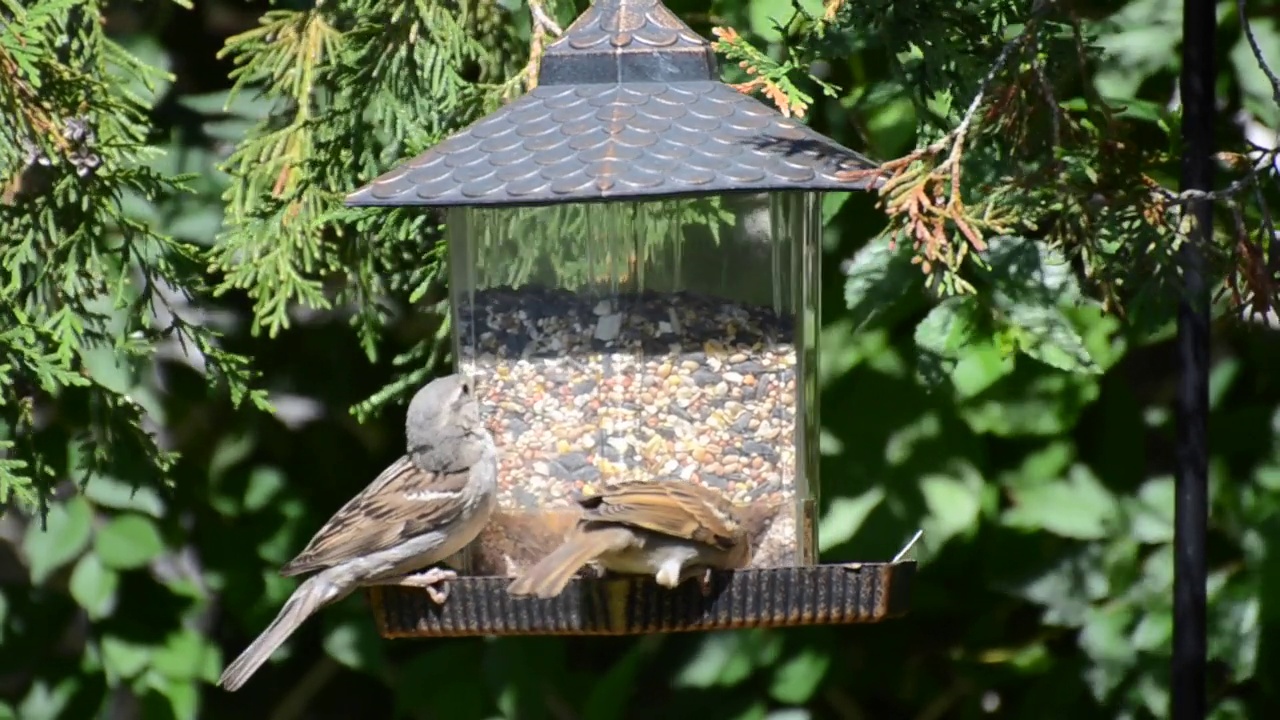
550 575
313 594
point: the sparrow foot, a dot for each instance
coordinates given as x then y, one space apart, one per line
702 575
435 581
704 583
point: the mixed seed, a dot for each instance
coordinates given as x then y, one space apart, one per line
583 391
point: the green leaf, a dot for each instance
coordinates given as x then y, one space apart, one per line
1154 630
892 120
877 279
69 526
845 517
1222 376
722 659
212 668
979 367
789 714
953 505
113 493
1106 635
1151 513
356 644
108 368
1227 709
832 202
1029 403
7 712
949 327
230 451
755 711
43 702
124 658
795 680
1045 333
1066 587
93 586
1078 507
1032 282
183 696
1024 268
265 483
182 656
903 444
342 644
765 15
1050 461
199 225
129 541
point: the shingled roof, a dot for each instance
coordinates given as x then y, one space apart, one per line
628 106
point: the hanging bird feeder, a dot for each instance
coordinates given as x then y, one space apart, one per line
634 251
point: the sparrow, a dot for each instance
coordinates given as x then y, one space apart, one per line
424 508
673 530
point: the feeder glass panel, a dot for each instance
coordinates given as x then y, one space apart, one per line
671 340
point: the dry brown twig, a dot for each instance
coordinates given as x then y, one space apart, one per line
1253 279
543 25
35 118
923 188
930 199
832 8
1257 51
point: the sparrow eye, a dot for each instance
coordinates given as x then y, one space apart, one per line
466 389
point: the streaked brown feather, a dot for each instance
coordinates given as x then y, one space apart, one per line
676 508
384 514
549 577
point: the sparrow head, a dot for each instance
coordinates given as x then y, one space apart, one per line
444 409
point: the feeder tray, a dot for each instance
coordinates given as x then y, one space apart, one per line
834 594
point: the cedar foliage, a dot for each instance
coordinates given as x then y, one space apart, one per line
188 317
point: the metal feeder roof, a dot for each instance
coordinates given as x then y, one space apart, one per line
629 106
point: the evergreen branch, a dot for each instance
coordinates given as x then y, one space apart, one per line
385 82
930 202
79 324
770 77
14 477
923 191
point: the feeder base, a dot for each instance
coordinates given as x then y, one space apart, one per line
835 594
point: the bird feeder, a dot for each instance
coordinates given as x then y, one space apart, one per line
634 252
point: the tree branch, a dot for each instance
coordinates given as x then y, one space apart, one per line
543 25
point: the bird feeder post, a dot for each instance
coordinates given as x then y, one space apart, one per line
634 252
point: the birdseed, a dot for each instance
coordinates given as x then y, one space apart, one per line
584 391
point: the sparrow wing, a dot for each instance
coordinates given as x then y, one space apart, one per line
676 508
402 502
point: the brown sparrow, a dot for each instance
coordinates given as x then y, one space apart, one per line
673 530
427 506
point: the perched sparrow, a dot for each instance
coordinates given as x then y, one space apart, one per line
674 530
427 506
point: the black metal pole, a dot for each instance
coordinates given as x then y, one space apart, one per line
1191 501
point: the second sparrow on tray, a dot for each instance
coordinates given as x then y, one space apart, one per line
672 530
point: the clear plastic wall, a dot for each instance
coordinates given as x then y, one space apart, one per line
671 340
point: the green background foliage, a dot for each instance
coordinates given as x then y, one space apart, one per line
188 317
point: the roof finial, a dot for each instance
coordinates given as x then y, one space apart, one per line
628 41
